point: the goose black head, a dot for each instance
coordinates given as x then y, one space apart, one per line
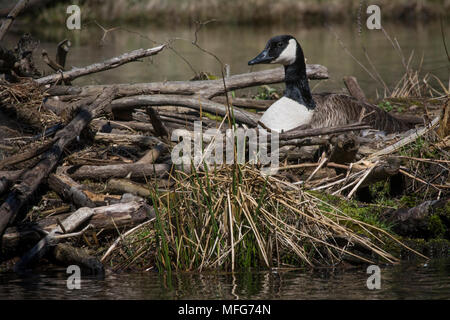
287 51
279 49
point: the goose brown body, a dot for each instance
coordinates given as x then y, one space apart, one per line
339 109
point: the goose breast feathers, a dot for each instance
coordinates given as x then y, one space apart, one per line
286 114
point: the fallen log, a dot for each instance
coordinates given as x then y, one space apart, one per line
418 221
109 138
67 226
66 255
27 155
125 185
365 176
311 141
385 169
186 118
135 170
101 66
7 179
207 88
123 125
32 178
153 154
192 102
71 190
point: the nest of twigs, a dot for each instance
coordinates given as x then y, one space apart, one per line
24 100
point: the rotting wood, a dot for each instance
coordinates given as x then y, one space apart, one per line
66 255
32 178
61 52
135 170
192 102
207 88
7 178
159 128
415 221
389 167
17 240
153 154
343 149
71 190
49 61
354 89
125 185
27 155
112 138
123 125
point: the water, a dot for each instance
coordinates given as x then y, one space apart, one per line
404 281
236 45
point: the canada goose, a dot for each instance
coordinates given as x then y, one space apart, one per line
299 107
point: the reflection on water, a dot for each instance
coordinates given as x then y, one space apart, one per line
405 281
236 45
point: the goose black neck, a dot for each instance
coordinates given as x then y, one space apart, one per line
297 86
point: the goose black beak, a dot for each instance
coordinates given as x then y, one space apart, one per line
263 57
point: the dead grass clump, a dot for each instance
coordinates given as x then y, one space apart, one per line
24 99
233 218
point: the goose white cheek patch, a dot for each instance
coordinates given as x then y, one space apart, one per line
287 57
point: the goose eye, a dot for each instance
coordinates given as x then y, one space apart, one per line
280 44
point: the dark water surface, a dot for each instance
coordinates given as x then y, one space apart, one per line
405 281
236 45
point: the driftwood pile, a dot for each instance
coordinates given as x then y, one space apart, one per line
94 146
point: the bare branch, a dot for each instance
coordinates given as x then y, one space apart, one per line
11 16
102 66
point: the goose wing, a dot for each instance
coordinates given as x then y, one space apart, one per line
340 109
